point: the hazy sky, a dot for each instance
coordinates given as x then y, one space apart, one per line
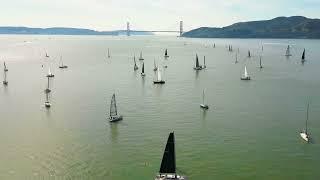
148 14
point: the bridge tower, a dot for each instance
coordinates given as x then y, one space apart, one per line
128 29
181 28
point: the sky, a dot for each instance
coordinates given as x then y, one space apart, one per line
103 15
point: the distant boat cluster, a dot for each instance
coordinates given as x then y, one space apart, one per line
168 165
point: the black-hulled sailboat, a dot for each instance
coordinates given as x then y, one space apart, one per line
249 54
197 66
62 66
304 134
168 164
142 72
166 54
159 79
141 58
113 110
303 57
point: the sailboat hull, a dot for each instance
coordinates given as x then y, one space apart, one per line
170 177
50 75
245 78
47 104
115 118
63 67
304 136
204 106
159 82
5 83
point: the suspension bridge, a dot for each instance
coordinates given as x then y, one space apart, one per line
180 31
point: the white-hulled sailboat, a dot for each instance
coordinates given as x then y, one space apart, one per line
204 105
49 73
245 76
5 70
142 72
5 67
141 58
261 63
204 62
62 66
47 90
109 56
159 79
304 134
135 64
113 110
197 65
303 57
288 51
155 68
168 164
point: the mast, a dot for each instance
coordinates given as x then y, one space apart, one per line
203 97
260 62
204 61
236 57
48 83
108 53
307 118
168 163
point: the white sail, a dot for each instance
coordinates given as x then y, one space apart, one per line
245 72
49 71
159 75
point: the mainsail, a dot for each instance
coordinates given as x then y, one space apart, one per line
159 75
197 61
113 106
143 68
245 72
166 53
168 163
288 51
303 54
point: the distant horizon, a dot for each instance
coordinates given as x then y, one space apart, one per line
111 30
112 15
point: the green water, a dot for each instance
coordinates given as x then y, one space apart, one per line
251 130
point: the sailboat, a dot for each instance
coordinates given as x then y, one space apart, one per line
249 54
135 64
197 67
5 82
113 110
62 66
155 68
168 164
304 134
166 54
288 51
5 67
48 86
245 76
260 63
49 73
141 58
203 105
109 53
159 79
204 62
47 103
303 56
47 55
214 45
142 72
236 59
